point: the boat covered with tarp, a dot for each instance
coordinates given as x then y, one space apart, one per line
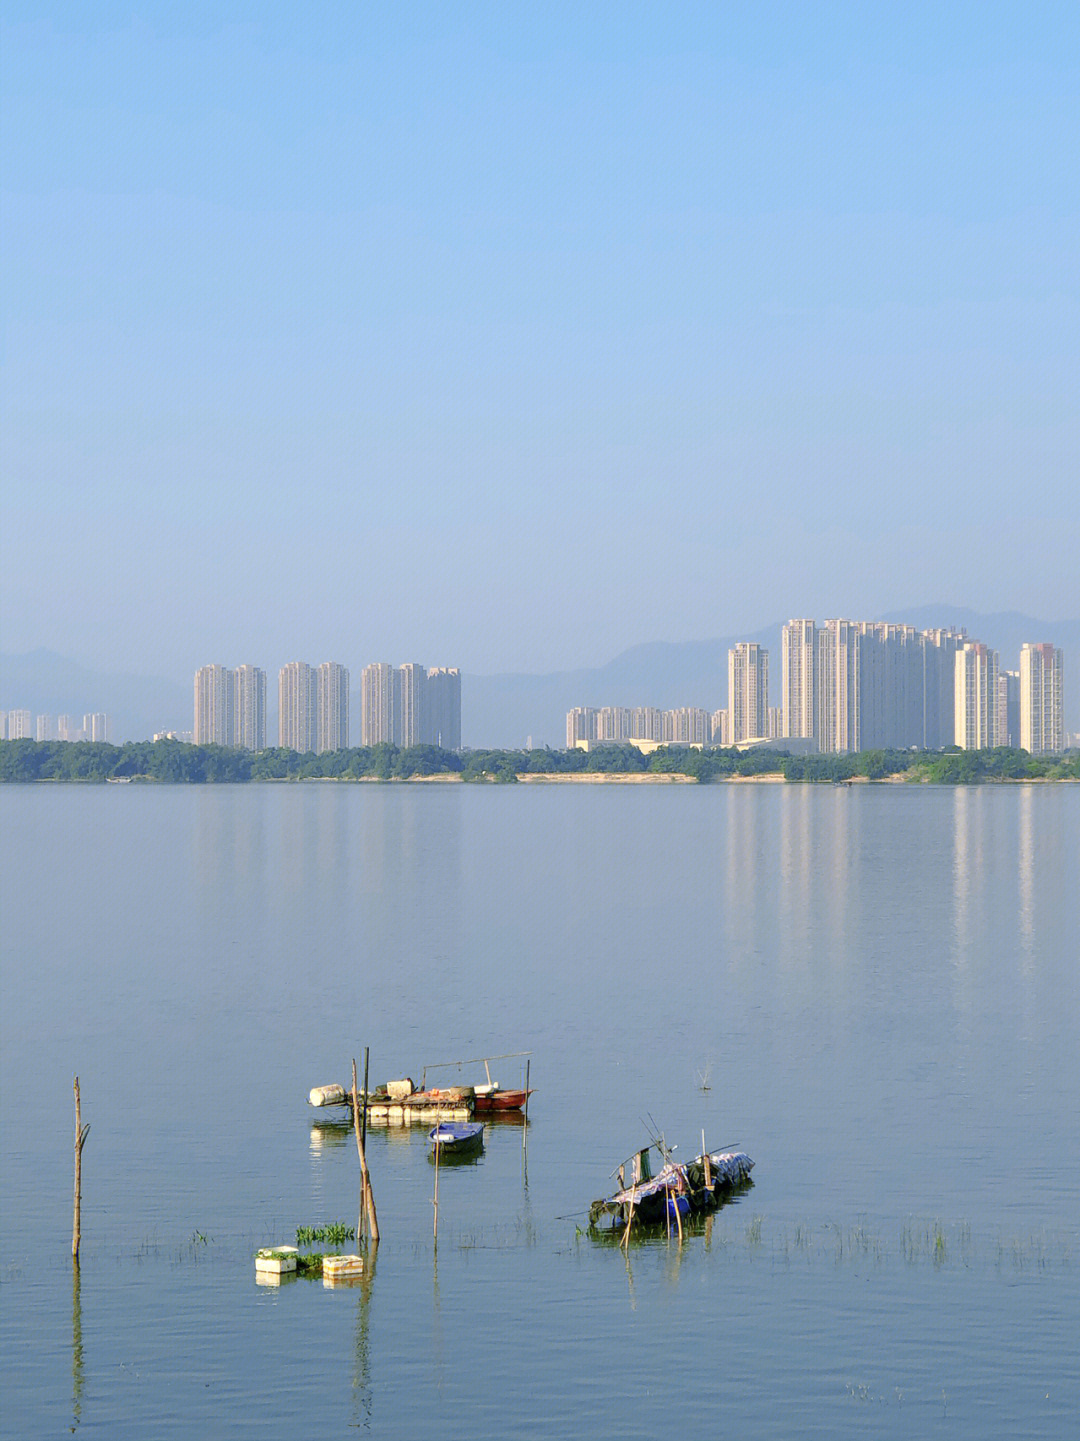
679 1190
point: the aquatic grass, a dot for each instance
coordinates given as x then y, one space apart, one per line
336 1234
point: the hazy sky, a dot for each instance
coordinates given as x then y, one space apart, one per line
511 335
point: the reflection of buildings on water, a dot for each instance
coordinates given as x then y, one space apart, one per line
1026 877
796 869
228 837
963 835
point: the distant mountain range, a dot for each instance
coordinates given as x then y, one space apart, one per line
509 710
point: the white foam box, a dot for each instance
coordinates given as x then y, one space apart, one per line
341 1268
276 1260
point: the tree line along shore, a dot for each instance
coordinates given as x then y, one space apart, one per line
177 762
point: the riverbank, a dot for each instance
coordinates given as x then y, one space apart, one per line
175 762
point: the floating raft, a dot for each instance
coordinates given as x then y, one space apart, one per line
397 1105
678 1190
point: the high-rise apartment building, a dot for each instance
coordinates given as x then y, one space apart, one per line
580 725
1008 708
249 708
721 728
296 707
748 691
97 726
377 704
687 725
214 706
20 725
411 683
1042 716
840 645
975 706
444 708
331 707
939 686
45 728
799 659
646 723
613 723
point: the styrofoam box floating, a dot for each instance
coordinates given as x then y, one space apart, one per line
341 1268
276 1260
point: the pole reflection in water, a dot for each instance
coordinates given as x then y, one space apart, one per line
76 1347
363 1395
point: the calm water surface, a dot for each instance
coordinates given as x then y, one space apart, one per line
879 983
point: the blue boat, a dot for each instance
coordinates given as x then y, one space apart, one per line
456 1138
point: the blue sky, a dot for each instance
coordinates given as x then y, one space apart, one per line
509 336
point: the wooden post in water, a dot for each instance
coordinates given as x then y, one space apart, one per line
705 1162
363 1122
81 1133
367 1196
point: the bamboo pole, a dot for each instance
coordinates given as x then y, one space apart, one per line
629 1222
367 1196
363 1120
525 1129
81 1133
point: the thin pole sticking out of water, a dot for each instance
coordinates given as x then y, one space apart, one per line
81 1133
363 1119
525 1129
435 1200
367 1196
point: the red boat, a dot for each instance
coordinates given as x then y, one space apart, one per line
493 1098
490 1096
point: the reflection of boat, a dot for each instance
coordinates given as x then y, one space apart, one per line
456 1138
678 1190
505 1118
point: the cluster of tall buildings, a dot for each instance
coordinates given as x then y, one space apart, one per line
410 706
686 725
407 705
863 685
23 725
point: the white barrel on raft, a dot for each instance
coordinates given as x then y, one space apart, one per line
327 1096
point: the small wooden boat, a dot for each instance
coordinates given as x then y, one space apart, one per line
456 1138
492 1098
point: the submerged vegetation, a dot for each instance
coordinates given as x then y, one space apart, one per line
175 761
334 1235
